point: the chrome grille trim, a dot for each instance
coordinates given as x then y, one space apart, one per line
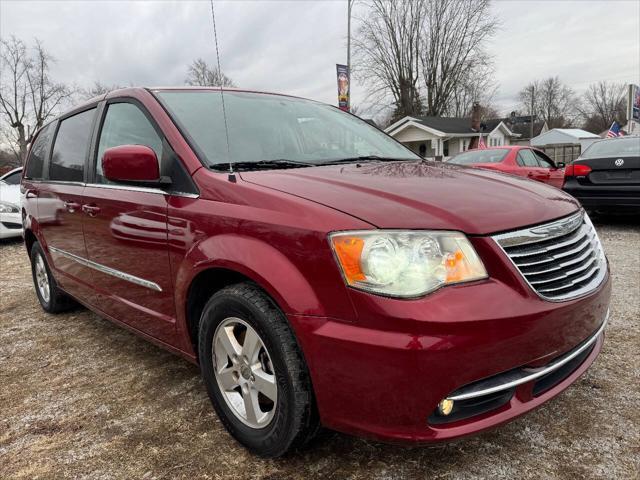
561 260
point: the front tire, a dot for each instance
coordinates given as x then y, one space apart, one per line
51 298
254 371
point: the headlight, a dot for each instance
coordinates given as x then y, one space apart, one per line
6 207
405 263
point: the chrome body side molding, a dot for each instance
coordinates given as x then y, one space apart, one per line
523 375
108 270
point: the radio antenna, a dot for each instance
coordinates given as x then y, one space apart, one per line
224 111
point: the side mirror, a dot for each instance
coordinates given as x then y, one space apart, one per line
560 165
135 164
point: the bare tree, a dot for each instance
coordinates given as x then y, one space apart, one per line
98 89
386 48
551 101
425 53
602 104
477 85
202 75
28 95
452 39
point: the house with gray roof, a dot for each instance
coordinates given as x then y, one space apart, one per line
444 137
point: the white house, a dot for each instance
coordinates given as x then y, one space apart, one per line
564 144
441 136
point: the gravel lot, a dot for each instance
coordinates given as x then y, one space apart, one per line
82 398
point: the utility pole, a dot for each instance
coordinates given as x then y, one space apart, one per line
533 93
349 5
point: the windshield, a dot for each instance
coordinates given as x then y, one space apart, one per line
265 127
629 146
479 156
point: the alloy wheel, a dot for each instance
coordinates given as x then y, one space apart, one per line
42 279
244 372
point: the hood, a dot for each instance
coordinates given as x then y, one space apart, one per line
10 193
423 195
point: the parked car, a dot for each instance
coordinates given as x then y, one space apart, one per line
10 219
606 176
318 271
517 160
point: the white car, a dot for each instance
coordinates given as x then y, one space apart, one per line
10 219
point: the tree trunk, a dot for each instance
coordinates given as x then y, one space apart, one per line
22 144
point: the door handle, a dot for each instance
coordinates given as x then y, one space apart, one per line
71 206
530 175
91 210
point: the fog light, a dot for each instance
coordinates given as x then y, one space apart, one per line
445 407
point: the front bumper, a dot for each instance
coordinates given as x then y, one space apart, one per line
10 225
384 376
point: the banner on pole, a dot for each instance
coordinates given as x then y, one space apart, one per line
342 73
634 103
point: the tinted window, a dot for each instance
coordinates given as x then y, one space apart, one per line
271 127
480 156
39 152
126 124
71 146
526 158
13 179
618 147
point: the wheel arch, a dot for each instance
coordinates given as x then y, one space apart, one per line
227 259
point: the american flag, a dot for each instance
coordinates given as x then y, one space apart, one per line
481 144
614 131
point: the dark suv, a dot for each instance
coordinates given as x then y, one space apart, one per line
318 271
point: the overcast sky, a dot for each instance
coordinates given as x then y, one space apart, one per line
292 47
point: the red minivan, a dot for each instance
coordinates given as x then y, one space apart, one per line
517 160
318 271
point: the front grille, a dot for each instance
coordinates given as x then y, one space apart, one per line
559 260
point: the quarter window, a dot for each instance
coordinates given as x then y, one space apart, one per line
126 124
71 147
39 152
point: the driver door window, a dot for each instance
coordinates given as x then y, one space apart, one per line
126 124
544 161
526 158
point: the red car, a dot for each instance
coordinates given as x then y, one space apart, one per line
522 161
318 271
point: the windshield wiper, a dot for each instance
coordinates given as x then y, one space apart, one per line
261 165
364 158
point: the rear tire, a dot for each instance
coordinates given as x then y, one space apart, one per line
51 298
266 372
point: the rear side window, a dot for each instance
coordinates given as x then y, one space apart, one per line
71 147
126 124
39 152
526 158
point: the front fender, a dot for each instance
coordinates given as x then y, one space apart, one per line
257 260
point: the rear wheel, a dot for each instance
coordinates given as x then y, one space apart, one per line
51 298
254 371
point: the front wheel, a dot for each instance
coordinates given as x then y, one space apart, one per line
254 371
